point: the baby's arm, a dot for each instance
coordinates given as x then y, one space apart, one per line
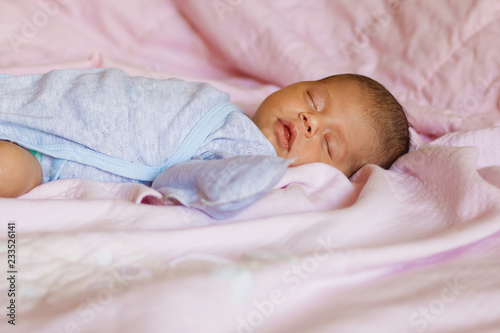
20 171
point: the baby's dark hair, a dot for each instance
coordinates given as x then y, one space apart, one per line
387 117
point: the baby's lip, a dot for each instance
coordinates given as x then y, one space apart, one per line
287 133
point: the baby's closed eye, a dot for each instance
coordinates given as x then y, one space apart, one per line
312 101
328 138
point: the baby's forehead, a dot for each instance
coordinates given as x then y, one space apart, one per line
343 80
349 89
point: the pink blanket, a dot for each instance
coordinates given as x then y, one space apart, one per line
412 249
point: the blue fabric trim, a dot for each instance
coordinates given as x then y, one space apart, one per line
200 132
184 152
58 166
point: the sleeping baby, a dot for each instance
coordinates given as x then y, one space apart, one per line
184 138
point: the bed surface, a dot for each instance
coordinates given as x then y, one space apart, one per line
412 249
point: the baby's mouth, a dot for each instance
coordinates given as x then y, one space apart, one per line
286 133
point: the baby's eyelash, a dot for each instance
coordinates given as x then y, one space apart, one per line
328 148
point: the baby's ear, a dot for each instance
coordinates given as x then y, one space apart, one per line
223 187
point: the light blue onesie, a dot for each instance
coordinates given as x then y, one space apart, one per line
103 125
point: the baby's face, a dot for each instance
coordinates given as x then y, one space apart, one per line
319 121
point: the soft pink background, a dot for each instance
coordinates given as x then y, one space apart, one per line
412 249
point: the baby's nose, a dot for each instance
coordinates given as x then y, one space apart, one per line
312 124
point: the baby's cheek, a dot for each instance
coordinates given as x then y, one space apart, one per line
305 155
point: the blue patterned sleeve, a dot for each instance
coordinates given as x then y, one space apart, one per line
221 187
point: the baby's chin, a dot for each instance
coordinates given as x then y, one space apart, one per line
287 155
